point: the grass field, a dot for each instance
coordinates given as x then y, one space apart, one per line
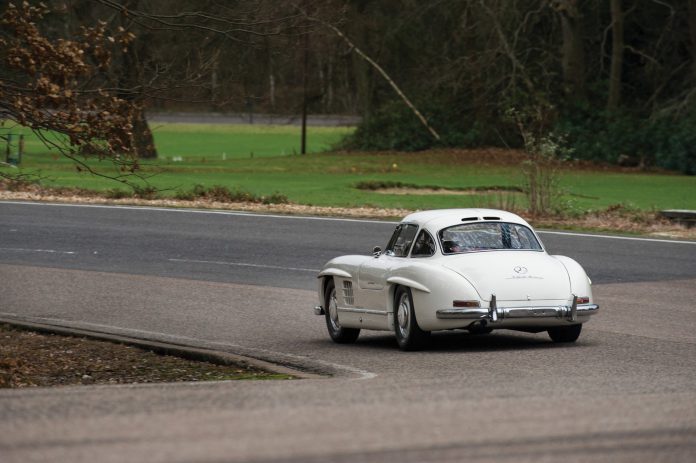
215 141
221 155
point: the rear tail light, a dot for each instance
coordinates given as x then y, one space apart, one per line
583 300
465 304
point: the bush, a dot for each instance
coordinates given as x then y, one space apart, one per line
223 194
665 141
117 193
395 127
677 145
275 198
145 192
392 127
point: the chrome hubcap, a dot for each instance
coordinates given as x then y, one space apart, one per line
333 311
402 315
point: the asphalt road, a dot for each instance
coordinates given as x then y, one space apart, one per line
626 391
279 251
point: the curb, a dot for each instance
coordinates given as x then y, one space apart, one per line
164 348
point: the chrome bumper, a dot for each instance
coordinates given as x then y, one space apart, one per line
494 313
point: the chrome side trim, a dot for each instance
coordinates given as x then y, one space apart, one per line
336 272
407 282
318 310
587 309
362 311
467 314
495 313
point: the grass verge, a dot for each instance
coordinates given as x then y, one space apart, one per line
332 179
215 162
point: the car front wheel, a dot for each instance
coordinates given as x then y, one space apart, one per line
565 333
338 333
409 335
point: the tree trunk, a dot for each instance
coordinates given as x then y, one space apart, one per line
143 140
271 76
329 85
692 31
214 83
617 49
130 83
572 50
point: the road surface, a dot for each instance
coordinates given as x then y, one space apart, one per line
626 391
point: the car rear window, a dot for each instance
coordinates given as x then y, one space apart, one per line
485 236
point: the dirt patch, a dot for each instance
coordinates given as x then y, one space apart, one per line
32 359
433 191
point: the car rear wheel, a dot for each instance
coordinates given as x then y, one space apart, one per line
409 335
565 333
338 333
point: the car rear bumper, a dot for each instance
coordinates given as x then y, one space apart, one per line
494 313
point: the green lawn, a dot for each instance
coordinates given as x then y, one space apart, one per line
218 142
329 178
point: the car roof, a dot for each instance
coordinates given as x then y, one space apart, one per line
441 218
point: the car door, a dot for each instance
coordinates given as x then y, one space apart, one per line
373 274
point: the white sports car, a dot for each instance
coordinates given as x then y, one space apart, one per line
473 269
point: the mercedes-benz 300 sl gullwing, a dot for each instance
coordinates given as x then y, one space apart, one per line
472 269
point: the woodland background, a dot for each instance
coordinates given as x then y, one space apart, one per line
607 80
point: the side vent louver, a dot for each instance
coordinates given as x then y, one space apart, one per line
491 218
469 219
348 292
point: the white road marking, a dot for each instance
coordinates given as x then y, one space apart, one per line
199 211
630 238
50 251
328 219
261 353
244 264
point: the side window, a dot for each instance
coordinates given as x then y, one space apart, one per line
400 242
424 245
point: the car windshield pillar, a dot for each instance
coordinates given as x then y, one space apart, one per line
400 242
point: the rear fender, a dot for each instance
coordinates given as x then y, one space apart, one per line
580 283
442 286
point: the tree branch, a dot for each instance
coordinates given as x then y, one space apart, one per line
377 67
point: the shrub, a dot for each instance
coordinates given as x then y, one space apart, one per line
224 194
117 193
275 198
186 195
394 127
145 191
663 141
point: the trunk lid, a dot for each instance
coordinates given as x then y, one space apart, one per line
512 275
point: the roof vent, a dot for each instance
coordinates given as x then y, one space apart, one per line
468 219
491 218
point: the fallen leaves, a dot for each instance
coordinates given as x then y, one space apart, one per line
29 359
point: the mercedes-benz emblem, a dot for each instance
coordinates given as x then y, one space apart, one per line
520 270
